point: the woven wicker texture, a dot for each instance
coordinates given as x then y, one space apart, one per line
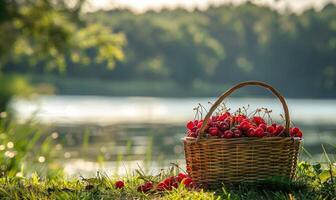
213 161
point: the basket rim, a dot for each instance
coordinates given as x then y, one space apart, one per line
192 139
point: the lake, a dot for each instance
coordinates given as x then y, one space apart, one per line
120 134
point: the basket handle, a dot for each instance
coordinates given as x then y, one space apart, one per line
240 85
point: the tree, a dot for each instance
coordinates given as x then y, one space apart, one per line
53 31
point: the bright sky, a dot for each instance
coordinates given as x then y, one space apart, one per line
143 5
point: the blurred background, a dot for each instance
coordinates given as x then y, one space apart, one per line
109 85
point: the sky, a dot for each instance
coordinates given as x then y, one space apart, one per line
140 6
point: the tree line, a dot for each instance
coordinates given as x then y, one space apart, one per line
221 45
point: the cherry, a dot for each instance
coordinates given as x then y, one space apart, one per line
141 188
224 126
291 132
166 184
214 118
181 176
263 126
169 180
194 128
194 125
119 184
224 116
251 132
174 185
227 125
162 187
299 134
240 118
295 129
199 124
244 125
270 129
237 132
279 129
190 125
258 120
295 132
259 132
229 120
193 134
187 182
213 131
145 187
228 134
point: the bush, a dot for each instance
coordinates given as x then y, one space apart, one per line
13 85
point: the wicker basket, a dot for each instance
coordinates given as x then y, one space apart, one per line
213 161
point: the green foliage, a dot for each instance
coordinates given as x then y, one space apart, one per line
11 85
102 187
322 178
223 45
220 45
226 44
25 147
53 34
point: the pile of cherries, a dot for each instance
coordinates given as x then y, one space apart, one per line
227 125
174 181
165 185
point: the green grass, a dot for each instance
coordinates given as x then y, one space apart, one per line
311 183
29 141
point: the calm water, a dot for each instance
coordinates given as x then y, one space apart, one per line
123 133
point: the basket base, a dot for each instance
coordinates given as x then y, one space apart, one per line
213 162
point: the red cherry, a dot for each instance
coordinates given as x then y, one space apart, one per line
145 187
228 134
237 132
295 129
270 129
211 124
166 184
190 125
224 126
240 118
224 116
214 118
263 126
181 176
149 184
193 134
169 180
200 123
279 129
251 132
258 120
141 188
119 184
259 132
162 187
244 125
299 134
213 131
291 132
187 182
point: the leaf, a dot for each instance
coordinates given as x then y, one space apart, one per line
90 180
317 168
326 175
